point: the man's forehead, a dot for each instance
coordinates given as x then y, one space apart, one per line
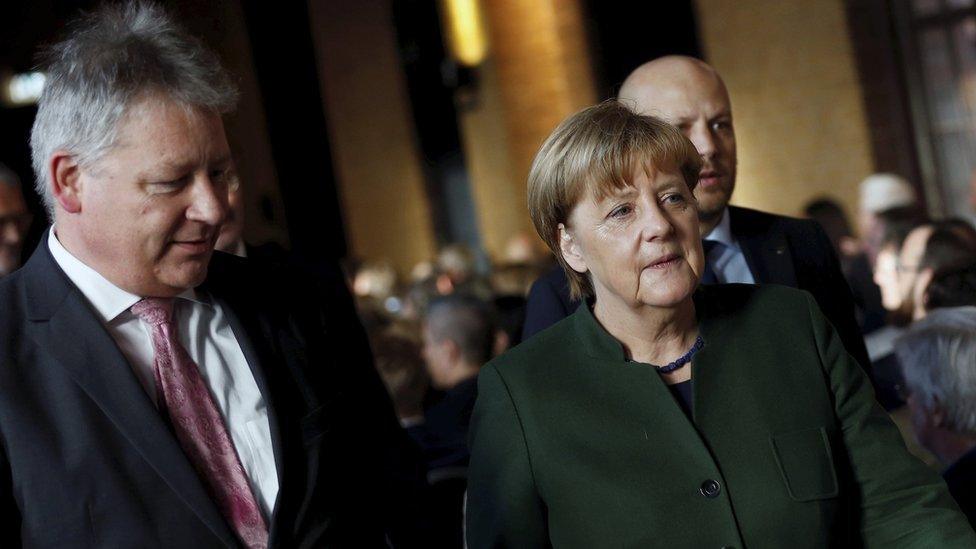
672 94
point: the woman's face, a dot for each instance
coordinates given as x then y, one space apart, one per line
886 277
641 244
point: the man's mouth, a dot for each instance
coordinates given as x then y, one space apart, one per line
709 178
194 245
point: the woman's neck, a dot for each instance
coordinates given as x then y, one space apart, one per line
653 335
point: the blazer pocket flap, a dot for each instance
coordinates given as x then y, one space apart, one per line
804 460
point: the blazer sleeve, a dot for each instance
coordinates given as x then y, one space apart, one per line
903 503
503 505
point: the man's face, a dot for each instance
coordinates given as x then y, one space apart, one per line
698 104
151 207
437 357
14 222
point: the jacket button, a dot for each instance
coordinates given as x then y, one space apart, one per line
711 488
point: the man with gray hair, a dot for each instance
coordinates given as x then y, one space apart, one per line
156 394
938 360
14 220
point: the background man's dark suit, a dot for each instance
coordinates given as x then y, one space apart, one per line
778 250
87 460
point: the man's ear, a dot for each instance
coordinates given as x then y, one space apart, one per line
571 250
65 181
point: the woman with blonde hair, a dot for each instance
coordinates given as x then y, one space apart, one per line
667 414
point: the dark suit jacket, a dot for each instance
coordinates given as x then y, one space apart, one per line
87 461
779 250
574 446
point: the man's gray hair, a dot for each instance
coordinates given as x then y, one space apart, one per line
8 176
110 59
938 359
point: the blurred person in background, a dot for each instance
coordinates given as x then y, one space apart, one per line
664 413
231 237
458 338
952 287
930 248
853 262
879 193
15 220
938 358
401 366
742 245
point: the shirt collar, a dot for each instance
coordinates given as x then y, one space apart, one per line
722 232
109 300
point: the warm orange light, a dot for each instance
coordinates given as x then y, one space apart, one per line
465 30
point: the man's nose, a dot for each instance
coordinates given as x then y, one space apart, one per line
702 137
209 202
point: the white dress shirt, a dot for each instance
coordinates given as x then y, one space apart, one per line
727 260
204 330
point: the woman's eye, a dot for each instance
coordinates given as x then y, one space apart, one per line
675 198
621 211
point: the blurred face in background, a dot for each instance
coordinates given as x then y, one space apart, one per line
231 238
438 355
909 267
14 222
886 277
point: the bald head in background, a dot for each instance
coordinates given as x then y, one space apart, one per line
689 94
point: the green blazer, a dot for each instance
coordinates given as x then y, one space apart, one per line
573 446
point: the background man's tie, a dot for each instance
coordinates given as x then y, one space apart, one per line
709 276
199 426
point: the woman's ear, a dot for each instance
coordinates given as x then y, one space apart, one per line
571 250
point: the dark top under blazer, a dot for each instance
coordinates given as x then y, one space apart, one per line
574 446
778 250
86 460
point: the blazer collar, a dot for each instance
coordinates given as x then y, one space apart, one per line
597 341
63 323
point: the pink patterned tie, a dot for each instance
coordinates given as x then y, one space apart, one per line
199 425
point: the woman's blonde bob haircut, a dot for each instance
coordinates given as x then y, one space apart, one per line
597 151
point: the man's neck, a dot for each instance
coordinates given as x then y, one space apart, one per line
708 224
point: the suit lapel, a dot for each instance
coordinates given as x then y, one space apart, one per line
63 324
251 336
764 246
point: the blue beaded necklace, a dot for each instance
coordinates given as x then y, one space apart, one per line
683 359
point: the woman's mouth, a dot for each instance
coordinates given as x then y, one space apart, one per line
664 261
